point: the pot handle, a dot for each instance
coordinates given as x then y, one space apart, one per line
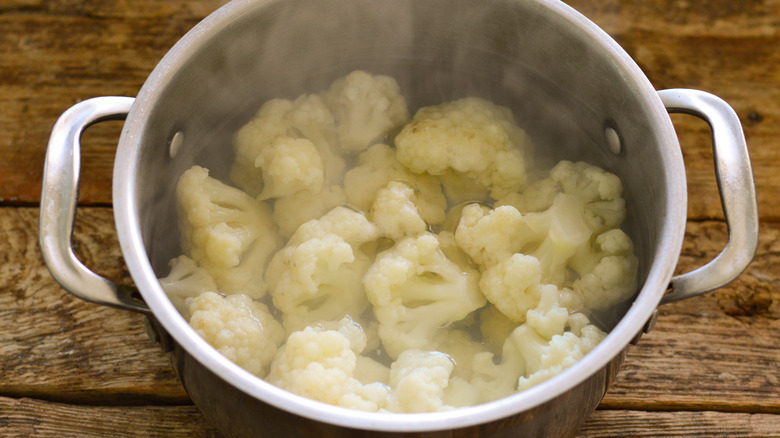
737 193
59 197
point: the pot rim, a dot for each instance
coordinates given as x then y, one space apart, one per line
126 205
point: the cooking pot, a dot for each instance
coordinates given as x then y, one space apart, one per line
572 88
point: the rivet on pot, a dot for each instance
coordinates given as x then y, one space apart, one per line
175 143
613 140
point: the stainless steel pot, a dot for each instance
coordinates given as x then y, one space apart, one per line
577 93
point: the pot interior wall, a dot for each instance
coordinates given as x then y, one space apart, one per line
563 88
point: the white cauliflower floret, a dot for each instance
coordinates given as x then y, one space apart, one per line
226 232
241 329
416 291
421 382
366 108
608 270
552 236
534 197
537 349
305 117
553 340
292 211
186 280
320 364
470 136
394 212
378 166
512 285
489 236
600 190
317 275
289 166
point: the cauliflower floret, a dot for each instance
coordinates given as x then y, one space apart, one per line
548 342
421 382
378 166
305 117
552 236
317 275
608 270
186 280
292 211
489 236
226 232
289 165
470 136
241 329
366 107
512 285
553 340
320 364
534 197
600 190
416 291
394 212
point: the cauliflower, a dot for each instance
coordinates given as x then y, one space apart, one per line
241 329
366 108
421 382
416 291
512 285
434 274
552 236
317 275
608 270
320 364
289 166
470 136
600 190
186 280
306 117
292 211
534 197
378 166
552 339
395 213
225 232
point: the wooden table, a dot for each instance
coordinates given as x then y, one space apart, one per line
710 367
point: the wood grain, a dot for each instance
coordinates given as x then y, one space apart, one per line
710 367
36 418
621 424
55 346
714 352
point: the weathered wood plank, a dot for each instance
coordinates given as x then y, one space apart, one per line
715 352
604 423
55 346
35 418
53 54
